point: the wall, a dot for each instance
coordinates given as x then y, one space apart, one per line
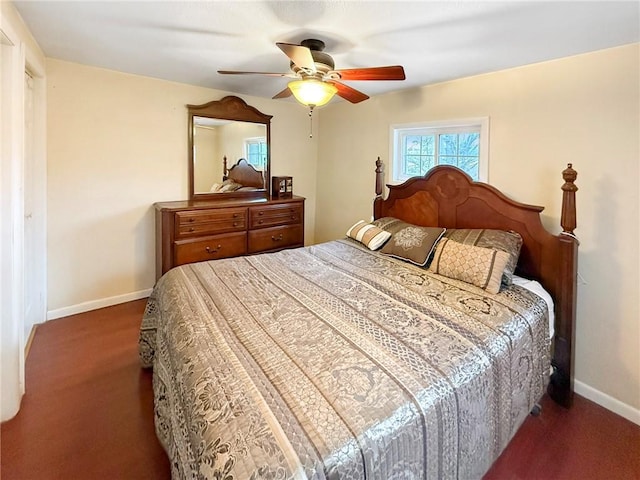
103 180
207 163
582 109
232 137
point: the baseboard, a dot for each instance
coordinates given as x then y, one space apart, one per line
608 402
95 304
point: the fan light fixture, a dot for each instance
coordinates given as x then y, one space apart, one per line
318 79
312 92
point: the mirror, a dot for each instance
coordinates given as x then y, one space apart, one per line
229 150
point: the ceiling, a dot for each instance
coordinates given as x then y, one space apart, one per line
435 41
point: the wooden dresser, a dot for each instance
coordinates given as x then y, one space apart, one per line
194 231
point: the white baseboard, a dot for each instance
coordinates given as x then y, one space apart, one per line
608 402
95 304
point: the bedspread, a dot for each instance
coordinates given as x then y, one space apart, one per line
335 362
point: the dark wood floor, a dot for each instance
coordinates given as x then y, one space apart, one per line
88 414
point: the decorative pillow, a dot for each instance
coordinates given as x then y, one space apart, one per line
508 242
369 235
479 266
226 186
409 242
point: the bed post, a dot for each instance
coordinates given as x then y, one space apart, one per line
561 383
225 170
377 202
569 189
379 177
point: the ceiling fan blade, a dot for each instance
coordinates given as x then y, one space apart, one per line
299 55
395 72
269 74
283 94
348 93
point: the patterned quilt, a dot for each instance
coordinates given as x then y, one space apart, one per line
335 362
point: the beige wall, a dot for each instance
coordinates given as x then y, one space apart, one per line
207 163
582 109
233 136
103 180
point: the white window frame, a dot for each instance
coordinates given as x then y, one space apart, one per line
480 124
253 140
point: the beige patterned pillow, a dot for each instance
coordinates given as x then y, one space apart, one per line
409 242
508 242
369 235
479 266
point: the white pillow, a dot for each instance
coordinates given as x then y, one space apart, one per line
369 235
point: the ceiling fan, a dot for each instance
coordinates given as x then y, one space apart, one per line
317 80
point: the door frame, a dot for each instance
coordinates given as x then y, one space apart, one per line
16 57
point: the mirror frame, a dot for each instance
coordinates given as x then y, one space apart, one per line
229 108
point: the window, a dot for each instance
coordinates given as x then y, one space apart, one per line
255 151
419 147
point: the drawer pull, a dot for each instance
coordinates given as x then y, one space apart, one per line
261 213
213 250
261 221
192 229
276 239
235 224
191 219
236 215
293 217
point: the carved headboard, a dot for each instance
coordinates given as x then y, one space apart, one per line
244 173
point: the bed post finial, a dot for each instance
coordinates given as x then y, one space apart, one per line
225 170
379 177
569 189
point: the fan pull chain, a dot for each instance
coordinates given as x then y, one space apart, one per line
311 121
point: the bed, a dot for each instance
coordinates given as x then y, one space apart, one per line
242 176
335 361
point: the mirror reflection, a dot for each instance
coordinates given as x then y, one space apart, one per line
218 147
228 150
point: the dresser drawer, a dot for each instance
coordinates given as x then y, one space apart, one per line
271 215
202 222
275 238
210 248
196 231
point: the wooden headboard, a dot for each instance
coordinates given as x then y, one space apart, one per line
448 197
244 173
